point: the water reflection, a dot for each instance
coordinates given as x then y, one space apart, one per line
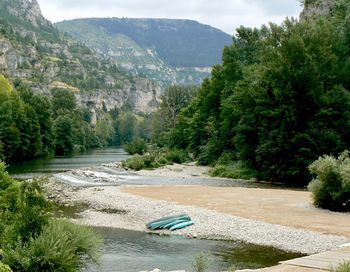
63 163
126 250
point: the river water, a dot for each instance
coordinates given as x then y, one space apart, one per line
59 164
125 250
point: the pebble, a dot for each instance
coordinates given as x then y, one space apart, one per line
207 223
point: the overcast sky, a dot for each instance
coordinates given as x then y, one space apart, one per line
223 14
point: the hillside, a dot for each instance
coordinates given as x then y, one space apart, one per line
35 52
168 51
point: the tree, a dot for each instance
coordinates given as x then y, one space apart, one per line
173 100
42 107
63 101
63 135
127 126
279 100
105 132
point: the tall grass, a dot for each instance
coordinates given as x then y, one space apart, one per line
62 246
345 267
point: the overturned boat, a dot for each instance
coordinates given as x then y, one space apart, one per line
171 222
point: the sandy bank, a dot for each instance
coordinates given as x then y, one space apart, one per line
282 207
130 211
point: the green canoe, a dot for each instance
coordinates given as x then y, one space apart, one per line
168 222
182 225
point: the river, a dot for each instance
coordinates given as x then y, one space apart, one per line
59 164
125 250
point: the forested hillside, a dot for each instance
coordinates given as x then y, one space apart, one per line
279 100
57 95
168 51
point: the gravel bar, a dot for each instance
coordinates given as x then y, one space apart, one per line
137 210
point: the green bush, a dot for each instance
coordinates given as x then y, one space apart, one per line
136 146
234 170
177 156
4 268
135 163
156 157
62 246
345 267
331 185
30 240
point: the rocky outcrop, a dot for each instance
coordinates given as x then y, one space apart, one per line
317 7
143 95
32 50
29 10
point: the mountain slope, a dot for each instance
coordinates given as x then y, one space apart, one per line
32 50
169 51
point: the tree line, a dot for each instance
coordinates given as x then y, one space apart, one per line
34 125
279 100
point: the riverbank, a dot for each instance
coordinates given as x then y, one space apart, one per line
219 213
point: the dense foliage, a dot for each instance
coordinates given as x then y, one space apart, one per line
33 125
156 157
173 100
136 146
30 240
331 186
279 100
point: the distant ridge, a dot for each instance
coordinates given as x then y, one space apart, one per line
167 50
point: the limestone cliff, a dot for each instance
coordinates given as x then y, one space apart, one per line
317 7
33 51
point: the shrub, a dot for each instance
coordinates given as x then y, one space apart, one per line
345 267
156 157
177 156
30 240
135 163
62 246
149 159
136 146
4 268
331 185
234 170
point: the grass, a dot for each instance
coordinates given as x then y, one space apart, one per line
345 267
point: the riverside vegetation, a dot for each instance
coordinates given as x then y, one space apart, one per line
31 240
34 125
279 100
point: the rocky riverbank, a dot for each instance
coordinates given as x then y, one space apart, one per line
112 206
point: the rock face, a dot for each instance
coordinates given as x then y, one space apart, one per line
36 53
29 10
143 95
317 7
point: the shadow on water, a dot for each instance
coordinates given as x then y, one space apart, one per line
69 211
125 250
73 211
73 161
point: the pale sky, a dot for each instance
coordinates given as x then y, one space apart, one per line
226 15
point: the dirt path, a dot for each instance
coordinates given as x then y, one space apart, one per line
283 207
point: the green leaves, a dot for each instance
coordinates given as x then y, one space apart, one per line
279 100
331 185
